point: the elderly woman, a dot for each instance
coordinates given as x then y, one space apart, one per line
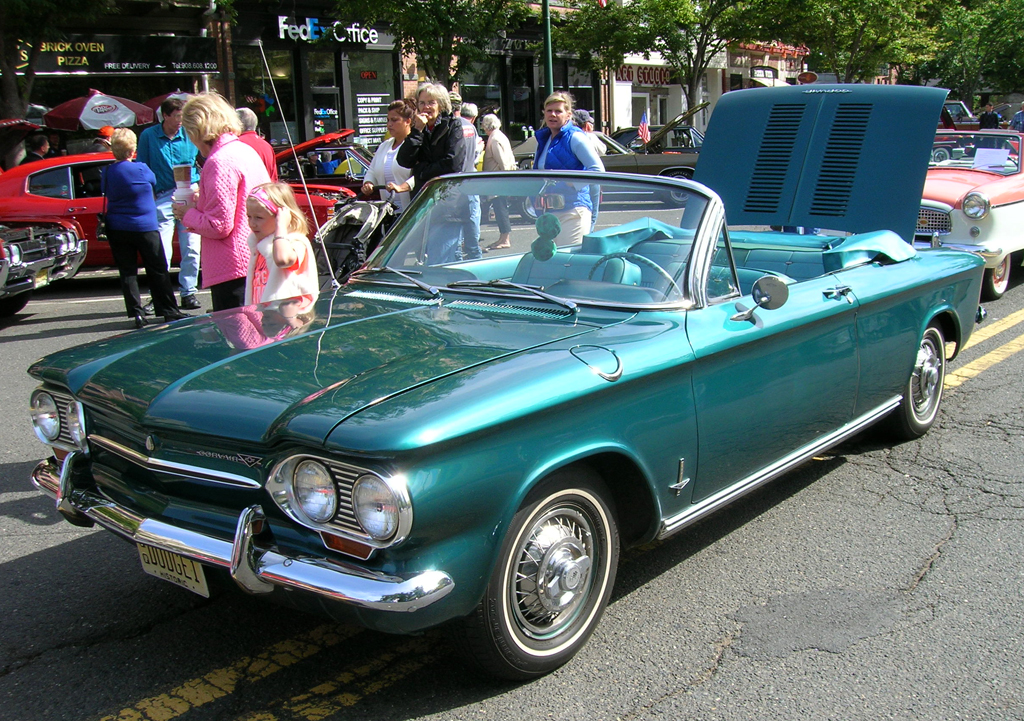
385 170
433 145
561 145
133 230
498 156
232 169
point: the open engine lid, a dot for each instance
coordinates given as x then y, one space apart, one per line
842 157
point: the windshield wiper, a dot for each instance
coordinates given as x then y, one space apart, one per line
499 283
407 275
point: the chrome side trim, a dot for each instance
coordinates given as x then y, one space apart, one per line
726 496
337 580
177 469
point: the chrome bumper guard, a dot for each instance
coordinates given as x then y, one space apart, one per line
255 570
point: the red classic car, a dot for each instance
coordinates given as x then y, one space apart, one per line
69 188
974 200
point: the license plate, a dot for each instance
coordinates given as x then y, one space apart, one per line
42 278
171 567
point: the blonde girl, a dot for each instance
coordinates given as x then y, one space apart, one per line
281 264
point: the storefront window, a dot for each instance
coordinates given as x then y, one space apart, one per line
255 89
523 117
372 77
481 84
326 101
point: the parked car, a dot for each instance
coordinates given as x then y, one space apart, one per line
34 253
474 441
68 188
331 159
681 138
974 200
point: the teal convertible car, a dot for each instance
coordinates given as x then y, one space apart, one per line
474 440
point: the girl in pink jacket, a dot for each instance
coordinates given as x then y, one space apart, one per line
232 169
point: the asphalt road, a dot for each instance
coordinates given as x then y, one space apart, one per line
875 582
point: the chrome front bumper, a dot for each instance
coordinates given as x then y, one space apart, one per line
256 570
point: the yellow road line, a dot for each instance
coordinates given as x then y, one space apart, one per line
352 685
965 373
221 682
983 334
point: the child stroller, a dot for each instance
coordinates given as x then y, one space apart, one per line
348 238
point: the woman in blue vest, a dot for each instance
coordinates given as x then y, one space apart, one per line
561 145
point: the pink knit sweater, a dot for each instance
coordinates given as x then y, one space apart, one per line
229 173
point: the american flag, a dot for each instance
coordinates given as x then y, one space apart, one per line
644 131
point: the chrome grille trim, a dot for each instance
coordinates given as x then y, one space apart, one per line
931 220
507 309
64 408
344 477
390 297
177 469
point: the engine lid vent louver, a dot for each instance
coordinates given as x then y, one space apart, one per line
773 159
838 169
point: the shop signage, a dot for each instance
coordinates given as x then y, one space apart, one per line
315 28
123 54
644 75
372 117
763 72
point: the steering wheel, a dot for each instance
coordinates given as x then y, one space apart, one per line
642 260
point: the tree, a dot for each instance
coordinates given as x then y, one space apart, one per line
687 33
850 38
446 35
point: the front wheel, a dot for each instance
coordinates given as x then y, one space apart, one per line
551 583
996 280
922 396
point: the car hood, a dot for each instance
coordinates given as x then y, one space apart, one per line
842 157
234 375
950 186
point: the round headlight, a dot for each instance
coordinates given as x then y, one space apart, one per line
376 507
76 424
314 491
14 254
45 417
976 206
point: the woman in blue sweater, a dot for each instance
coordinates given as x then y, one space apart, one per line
563 146
133 230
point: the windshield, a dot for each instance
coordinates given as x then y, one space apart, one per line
993 152
588 238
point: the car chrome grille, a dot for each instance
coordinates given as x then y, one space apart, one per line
64 405
345 477
509 309
930 220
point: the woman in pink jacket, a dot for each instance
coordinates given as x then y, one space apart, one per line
232 169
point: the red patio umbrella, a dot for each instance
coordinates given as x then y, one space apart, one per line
96 110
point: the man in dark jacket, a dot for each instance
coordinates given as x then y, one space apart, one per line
36 148
990 119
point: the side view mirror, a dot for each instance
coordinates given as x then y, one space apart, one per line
768 292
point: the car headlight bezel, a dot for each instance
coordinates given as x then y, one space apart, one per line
313 491
345 522
374 501
976 205
45 414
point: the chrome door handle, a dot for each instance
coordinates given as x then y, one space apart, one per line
840 291
75 210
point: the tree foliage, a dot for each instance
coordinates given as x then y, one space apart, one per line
852 39
688 34
446 35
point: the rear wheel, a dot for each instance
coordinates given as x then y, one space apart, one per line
673 196
922 396
14 304
552 581
996 280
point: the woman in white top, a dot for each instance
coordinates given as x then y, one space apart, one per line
385 170
498 156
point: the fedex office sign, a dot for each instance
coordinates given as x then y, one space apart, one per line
315 28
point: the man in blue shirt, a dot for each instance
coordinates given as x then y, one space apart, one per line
161 147
1018 120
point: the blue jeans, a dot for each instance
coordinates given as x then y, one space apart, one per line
188 243
471 229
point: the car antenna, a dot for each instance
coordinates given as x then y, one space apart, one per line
302 178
